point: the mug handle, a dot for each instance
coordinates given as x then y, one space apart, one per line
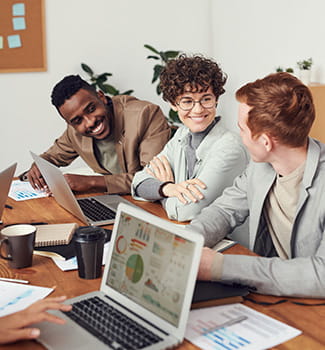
5 241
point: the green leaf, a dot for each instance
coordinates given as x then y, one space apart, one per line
104 75
163 56
108 89
154 57
151 48
156 72
100 80
171 54
173 116
111 89
87 69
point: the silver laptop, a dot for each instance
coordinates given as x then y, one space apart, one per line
92 210
146 289
5 182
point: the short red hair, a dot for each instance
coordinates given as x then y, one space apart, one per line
281 106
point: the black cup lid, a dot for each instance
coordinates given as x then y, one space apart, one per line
89 233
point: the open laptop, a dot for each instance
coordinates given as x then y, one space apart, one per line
5 182
92 210
148 279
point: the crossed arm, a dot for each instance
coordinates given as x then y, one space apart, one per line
162 171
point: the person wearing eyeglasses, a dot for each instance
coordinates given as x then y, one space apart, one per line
203 157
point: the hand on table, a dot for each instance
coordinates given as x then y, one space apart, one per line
161 170
14 327
84 183
36 179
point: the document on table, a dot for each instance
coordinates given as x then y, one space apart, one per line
71 264
15 297
252 331
22 190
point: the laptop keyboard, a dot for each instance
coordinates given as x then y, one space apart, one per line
95 210
110 325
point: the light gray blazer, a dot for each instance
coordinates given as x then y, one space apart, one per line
304 274
221 156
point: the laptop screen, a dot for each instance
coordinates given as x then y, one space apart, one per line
150 266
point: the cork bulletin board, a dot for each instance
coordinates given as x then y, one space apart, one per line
22 36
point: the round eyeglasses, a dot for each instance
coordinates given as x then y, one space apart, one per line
187 103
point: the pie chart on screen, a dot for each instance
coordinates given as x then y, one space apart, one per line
134 268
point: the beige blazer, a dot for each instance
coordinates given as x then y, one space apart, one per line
140 132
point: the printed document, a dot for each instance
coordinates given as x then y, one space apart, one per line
15 297
252 331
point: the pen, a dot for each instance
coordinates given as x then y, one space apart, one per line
13 280
225 324
8 206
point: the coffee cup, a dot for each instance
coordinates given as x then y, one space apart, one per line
17 242
89 246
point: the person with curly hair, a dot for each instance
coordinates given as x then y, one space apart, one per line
203 157
116 136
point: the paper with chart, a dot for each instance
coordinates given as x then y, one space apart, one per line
15 297
21 191
256 332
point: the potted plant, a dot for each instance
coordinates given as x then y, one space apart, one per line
305 70
288 70
99 82
163 56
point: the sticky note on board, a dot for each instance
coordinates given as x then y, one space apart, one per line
14 41
19 23
18 9
1 42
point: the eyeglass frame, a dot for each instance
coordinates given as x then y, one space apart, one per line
197 101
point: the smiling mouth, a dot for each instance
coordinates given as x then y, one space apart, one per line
199 118
97 128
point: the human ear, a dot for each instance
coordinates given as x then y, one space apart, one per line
102 96
173 107
267 142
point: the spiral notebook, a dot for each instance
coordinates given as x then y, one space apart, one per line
54 234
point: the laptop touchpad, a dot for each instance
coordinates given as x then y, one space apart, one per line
111 201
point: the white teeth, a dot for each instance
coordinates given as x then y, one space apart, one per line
197 118
94 131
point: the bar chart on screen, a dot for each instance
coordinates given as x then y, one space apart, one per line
235 326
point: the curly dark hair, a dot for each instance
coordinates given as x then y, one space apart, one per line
196 71
67 87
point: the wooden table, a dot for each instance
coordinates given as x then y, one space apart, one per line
309 319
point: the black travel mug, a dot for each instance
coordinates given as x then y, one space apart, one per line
89 246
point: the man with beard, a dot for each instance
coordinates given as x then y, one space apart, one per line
116 136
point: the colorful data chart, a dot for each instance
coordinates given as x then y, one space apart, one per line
134 268
236 326
21 191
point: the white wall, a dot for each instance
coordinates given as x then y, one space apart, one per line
253 37
248 38
108 36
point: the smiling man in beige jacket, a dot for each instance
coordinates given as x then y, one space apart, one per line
115 136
